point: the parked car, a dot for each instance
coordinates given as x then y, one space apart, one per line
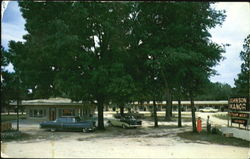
125 122
209 109
73 123
136 115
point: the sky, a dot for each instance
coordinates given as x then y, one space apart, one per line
233 31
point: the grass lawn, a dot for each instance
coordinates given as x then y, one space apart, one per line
5 117
213 138
13 135
221 116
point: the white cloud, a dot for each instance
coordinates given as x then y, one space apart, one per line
234 30
11 32
9 68
4 5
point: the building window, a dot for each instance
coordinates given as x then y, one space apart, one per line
37 113
66 112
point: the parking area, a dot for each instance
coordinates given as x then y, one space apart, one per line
114 142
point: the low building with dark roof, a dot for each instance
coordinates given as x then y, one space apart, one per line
52 108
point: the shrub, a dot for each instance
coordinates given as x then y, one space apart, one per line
10 134
216 131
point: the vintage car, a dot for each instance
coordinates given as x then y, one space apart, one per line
125 122
136 115
72 123
209 109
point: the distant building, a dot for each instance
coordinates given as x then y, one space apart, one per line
186 105
50 109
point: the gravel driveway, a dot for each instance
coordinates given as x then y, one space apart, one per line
144 142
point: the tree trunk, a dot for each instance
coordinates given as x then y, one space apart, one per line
18 104
155 115
171 106
129 110
141 103
122 110
107 107
179 113
8 110
168 107
167 91
193 113
100 115
248 76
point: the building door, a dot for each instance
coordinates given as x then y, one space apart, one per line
52 114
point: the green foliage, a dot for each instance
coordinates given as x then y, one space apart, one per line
11 117
4 74
80 56
242 82
215 91
12 87
14 135
174 42
213 138
221 116
115 52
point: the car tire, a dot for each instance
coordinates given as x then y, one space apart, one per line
124 126
84 130
52 129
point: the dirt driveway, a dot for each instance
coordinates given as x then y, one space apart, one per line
145 142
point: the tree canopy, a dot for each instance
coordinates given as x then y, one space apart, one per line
106 52
242 82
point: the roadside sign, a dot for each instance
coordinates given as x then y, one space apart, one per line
239 110
238 104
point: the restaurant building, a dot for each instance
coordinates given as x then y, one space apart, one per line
52 108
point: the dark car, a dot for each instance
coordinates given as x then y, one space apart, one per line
72 123
125 122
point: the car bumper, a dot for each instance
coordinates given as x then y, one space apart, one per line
134 126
